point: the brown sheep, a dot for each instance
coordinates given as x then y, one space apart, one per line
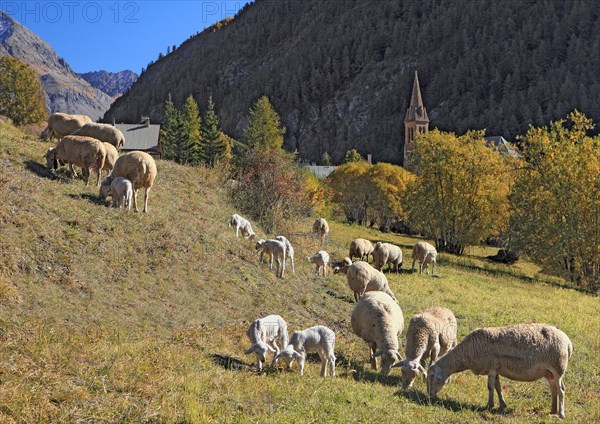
62 124
85 152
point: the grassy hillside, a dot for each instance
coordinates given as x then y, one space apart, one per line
108 316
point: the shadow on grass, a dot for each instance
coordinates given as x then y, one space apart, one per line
421 398
90 198
231 363
336 295
40 170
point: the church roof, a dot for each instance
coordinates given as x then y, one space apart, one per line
416 111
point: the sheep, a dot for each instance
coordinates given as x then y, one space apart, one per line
289 250
363 278
241 223
121 191
103 132
378 320
62 124
111 157
321 228
321 260
318 339
387 253
276 249
521 352
263 334
137 167
430 334
85 152
361 248
424 253
341 267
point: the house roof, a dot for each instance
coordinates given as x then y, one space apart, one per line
502 145
140 136
318 170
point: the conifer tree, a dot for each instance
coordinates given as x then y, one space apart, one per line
21 93
190 152
213 147
171 131
264 129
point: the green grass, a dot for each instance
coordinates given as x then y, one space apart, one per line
108 316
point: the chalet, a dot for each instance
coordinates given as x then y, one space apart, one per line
143 136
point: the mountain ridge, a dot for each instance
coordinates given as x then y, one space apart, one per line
113 84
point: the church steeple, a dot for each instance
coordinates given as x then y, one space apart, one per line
416 120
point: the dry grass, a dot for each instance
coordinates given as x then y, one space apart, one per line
107 316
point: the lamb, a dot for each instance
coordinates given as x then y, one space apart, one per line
111 157
289 250
363 278
241 223
103 132
264 334
387 253
85 152
62 124
121 191
378 320
424 253
430 334
521 352
321 228
318 339
275 249
361 248
137 167
321 260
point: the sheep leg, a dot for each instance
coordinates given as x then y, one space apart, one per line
554 395
332 363
146 194
323 364
372 350
293 270
72 168
412 268
561 398
271 262
301 361
135 193
498 388
490 385
435 351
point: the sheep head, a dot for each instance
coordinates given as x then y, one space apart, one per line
410 370
51 159
105 187
436 379
388 358
261 349
288 355
259 244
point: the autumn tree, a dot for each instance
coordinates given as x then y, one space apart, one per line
190 115
351 190
555 203
22 97
352 156
264 128
460 194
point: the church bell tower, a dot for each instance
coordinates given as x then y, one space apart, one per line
415 122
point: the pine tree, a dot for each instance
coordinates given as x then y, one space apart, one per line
264 129
192 138
21 93
213 147
171 131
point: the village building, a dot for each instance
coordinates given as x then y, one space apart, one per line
143 136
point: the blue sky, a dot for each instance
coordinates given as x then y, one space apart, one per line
117 35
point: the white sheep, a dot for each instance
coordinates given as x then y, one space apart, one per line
321 261
318 339
264 334
137 167
522 352
361 248
430 334
321 228
387 253
289 250
342 266
425 254
111 157
275 249
103 132
62 124
85 152
363 278
378 320
121 191
241 223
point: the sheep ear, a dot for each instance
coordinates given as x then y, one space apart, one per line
379 353
399 364
55 164
251 350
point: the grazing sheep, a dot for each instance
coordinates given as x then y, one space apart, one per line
241 223
378 320
424 253
85 152
121 191
321 228
318 339
341 267
103 132
430 334
361 248
289 250
62 124
321 260
111 157
522 352
363 278
387 253
276 249
137 167
263 334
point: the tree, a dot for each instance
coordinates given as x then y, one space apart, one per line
171 131
352 156
326 159
191 120
351 190
460 195
555 204
214 146
264 128
22 98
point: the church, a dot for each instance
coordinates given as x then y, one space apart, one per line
415 122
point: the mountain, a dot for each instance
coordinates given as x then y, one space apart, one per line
65 90
111 83
340 73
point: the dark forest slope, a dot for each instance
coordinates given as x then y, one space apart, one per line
340 72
